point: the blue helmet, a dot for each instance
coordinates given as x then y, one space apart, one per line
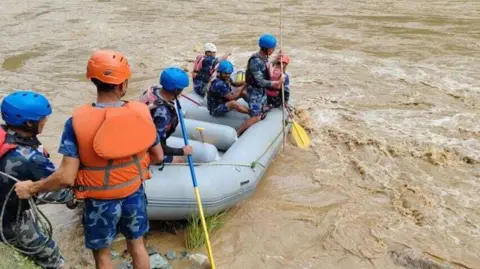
22 106
225 67
267 41
173 79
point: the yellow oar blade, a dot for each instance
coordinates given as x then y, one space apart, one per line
300 136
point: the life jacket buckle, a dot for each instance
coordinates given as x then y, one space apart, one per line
80 188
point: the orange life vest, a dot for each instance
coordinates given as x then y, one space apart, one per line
113 146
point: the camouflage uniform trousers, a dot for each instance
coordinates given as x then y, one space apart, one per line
219 110
103 219
257 100
28 236
200 86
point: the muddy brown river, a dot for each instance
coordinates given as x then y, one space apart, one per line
389 89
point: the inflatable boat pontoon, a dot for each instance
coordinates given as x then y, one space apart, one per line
227 168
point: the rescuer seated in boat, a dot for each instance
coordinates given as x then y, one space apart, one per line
162 108
220 96
204 67
258 80
274 95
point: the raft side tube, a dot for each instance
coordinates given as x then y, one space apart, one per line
221 136
202 152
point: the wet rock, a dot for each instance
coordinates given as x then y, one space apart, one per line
124 265
171 255
183 254
126 255
159 262
151 251
115 255
85 262
199 258
119 238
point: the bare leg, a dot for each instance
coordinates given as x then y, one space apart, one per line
136 248
102 258
246 124
178 159
245 96
237 106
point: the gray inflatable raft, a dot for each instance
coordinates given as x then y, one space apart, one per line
229 178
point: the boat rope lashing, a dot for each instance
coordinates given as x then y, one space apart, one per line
38 216
251 165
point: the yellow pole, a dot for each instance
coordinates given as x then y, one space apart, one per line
195 187
205 230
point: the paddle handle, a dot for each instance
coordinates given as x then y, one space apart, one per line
195 188
200 130
283 84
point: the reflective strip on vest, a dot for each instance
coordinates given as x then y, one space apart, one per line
110 166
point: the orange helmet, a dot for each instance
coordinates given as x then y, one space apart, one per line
108 66
285 59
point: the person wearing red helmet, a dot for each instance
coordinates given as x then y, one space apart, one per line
274 95
107 147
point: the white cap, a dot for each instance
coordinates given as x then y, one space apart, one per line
210 47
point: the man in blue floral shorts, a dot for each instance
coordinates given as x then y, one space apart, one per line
108 176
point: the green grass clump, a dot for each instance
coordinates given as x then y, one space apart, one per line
194 236
12 259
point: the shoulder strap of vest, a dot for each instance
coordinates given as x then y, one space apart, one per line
197 66
5 147
161 102
139 107
248 73
87 108
274 72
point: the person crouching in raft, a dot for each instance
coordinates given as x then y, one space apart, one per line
220 96
257 77
162 108
107 147
204 66
274 95
23 156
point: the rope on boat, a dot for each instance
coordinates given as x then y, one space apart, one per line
251 165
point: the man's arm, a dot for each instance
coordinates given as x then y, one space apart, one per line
235 95
256 67
156 152
238 84
65 174
64 177
162 118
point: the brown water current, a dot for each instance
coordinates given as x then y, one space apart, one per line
389 89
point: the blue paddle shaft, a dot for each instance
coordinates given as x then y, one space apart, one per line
185 140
